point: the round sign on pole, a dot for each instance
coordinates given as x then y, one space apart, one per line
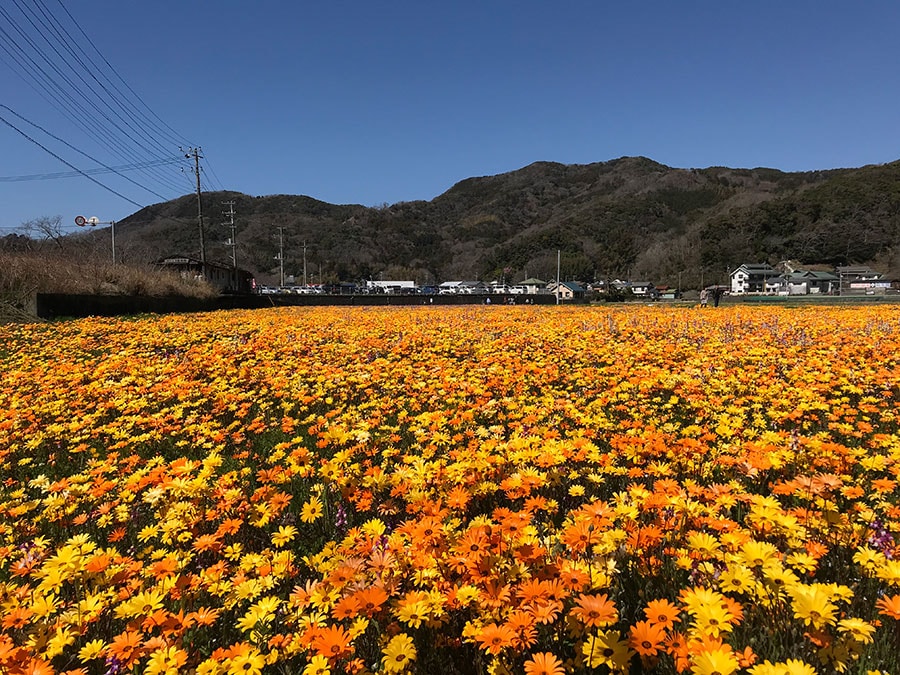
93 220
80 221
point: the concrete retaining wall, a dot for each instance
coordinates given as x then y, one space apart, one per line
58 306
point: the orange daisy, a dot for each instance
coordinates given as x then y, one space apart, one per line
544 663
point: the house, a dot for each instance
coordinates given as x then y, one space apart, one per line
752 278
449 288
381 286
642 289
473 288
807 282
567 290
664 292
533 286
861 280
225 278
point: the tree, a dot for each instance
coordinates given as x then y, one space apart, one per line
45 228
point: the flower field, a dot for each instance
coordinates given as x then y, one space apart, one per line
533 490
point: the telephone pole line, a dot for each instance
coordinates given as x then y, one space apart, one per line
232 241
281 254
304 263
195 153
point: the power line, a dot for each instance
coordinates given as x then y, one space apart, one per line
54 27
76 113
108 168
178 139
92 172
63 72
71 166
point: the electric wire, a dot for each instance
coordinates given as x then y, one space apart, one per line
155 162
115 105
76 113
60 88
82 172
177 138
71 166
216 181
127 116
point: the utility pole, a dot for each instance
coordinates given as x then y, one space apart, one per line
195 153
281 253
304 263
557 275
232 242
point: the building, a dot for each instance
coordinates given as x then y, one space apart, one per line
753 278
567 290
380 286
642 289
807 282
225 278
533 286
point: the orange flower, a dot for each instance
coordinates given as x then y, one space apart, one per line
205 616
207 542
494 638
117 534
371 600
17 618
36 667
522 623
579 535
662 612
346 608
646 638
573 578
333 642
126 647
544 663
889 606
595 610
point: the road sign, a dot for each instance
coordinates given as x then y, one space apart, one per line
80 221
93 220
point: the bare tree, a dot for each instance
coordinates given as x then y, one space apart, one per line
45 229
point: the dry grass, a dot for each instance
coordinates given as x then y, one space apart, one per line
24 274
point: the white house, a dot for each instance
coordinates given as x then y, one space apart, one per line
752 278
391 286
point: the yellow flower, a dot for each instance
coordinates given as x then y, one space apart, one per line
789 667
141 605
312 510
317 666
261 612
414 613
758 553
165 661
712 620
889 571
737 579
717 662
399 652
92 650
285 534
812 605
61 639
607 649
249 662
859 629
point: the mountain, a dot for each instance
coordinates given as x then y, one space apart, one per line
626 217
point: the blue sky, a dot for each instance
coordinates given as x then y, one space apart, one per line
380 102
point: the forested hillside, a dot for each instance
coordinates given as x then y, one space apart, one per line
626 217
